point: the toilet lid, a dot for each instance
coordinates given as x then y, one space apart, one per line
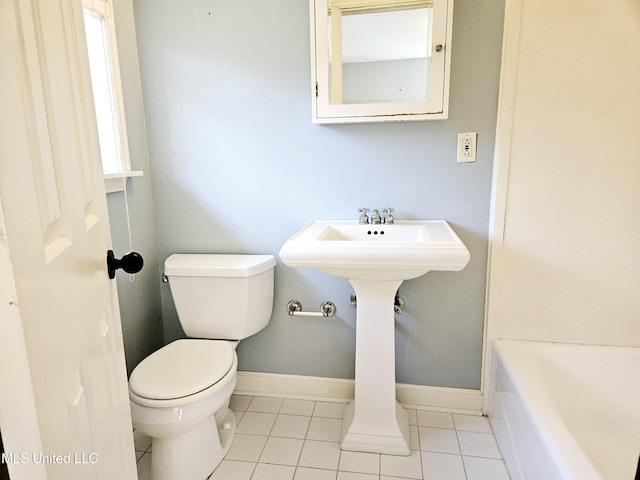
182 368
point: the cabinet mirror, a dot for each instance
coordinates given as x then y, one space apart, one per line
380 60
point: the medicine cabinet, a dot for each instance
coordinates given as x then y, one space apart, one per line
380 60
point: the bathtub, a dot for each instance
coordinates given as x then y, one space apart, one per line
566 412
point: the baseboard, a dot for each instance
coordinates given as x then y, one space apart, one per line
341 390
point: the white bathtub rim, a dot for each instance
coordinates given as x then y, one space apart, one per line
562 447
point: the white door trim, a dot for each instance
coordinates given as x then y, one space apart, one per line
502 154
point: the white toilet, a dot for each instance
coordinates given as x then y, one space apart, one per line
180 393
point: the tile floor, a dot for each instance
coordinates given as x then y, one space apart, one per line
284 439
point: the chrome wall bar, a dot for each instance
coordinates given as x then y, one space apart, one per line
327 309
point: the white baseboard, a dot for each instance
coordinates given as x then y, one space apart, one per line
341 390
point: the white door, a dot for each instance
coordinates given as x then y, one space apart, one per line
64 402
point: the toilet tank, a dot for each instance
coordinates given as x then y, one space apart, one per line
218 296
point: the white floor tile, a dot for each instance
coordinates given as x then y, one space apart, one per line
401 466
239 415
329 409
144 467
303 473
485 469
413 416
434 419
265 405
359 462
283 451
292 406
440 440
386 477
356 476
442 466
293 439
320 454
478 444
247 448
414 438
326 429
141 442
233 470
239 403
256 423
265 471
472 423
292 426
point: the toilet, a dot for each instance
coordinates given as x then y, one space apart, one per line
180 393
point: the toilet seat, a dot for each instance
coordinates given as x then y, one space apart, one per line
182 368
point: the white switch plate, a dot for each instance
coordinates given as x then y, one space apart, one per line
467 147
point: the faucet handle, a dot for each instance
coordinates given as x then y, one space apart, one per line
388 218
364 219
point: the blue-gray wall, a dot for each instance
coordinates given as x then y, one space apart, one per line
140 307
237 166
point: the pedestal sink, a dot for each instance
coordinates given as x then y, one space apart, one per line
376 259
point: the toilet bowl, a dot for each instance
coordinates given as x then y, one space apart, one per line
189 421
180 394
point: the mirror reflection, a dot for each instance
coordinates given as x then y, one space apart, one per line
379 51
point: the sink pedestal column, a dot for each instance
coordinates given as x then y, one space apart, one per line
374 421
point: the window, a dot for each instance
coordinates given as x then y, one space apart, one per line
107 93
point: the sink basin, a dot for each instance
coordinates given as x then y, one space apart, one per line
373 233
376 259
404 250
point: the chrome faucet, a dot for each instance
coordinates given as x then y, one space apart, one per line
364 219
376 219
388 218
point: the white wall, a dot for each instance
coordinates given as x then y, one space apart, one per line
566 265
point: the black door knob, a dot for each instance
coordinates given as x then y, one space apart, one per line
130 262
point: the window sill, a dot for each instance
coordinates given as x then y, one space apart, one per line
115 182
